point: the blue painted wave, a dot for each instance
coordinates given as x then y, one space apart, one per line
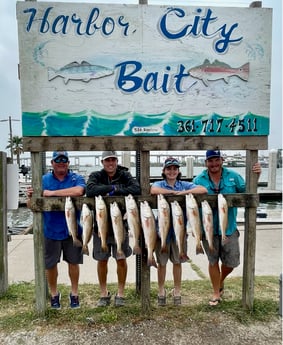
91 123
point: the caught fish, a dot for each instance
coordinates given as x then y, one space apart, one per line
79 71
87 221
71 219
118 229
194 220
102 221
179 229
163 220
207 222
133 221
149 231
223 216
218 70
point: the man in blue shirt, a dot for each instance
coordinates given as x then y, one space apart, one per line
61 182
171 185
218 179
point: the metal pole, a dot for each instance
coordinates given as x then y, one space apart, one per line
11 139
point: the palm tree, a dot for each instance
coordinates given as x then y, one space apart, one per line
16 146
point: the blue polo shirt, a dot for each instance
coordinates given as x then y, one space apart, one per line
178 186
55 225
231 182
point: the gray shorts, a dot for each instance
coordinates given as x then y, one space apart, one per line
54 249
99 255
172 252
229 253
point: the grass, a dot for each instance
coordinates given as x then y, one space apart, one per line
17 306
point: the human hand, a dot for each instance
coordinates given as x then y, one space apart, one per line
29 191
257 168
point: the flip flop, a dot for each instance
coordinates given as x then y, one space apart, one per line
214 302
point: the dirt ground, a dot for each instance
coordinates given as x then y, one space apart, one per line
220 331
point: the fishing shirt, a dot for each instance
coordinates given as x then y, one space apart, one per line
178 186
230 182
55 225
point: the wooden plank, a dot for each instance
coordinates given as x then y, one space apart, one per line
3 225
42 144
250 235
39 204
38 238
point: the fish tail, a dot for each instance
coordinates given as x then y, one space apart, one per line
164 249
85 249
77 242
199 249
151 262
137 250
120 255
51 73
184 258
244 71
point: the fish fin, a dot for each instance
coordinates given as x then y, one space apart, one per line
66 79
151 262
125 216
51 73
226 80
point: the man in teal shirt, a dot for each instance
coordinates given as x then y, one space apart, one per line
218 179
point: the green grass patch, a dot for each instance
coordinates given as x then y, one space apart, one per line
17 306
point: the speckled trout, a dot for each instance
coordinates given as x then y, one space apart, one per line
87 222
133 220
71 219
193 216
207 222
118 229
102 221
163 220
149 231
223 216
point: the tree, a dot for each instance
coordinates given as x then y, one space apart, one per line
17 147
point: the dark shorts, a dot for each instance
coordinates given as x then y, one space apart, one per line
228 253
172 252
99 255
54 249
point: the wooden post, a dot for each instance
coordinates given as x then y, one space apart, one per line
145 270
38 237
3 225
250 234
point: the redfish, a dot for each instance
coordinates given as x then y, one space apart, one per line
87 222
223 216
193 216
102 221
163 220
133 220
118 229
207 222
149 231
71 219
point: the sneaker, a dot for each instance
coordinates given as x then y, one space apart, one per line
119 301
104 301
74 301
55 301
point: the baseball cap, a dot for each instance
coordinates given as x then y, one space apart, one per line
109 154
57 154
171 161
213 154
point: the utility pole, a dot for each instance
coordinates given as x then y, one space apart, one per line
10 134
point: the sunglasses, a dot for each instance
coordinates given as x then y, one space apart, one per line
61 160
171 162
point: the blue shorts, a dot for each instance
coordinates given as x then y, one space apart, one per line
228 253
54 249
99 255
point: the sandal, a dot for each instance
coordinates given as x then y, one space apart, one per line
214 302
177 300
161 300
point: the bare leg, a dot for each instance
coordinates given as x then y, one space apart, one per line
161 274
74 274
214 273
52 275
122 269
225 271
102 270
177 276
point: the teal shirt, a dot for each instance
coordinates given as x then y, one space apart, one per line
231 182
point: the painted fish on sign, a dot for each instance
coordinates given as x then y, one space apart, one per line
218 70
83 71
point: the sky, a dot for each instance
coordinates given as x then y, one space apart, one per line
9 59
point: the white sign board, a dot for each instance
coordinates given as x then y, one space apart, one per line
130 70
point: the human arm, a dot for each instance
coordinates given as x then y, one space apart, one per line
195 190
72 191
